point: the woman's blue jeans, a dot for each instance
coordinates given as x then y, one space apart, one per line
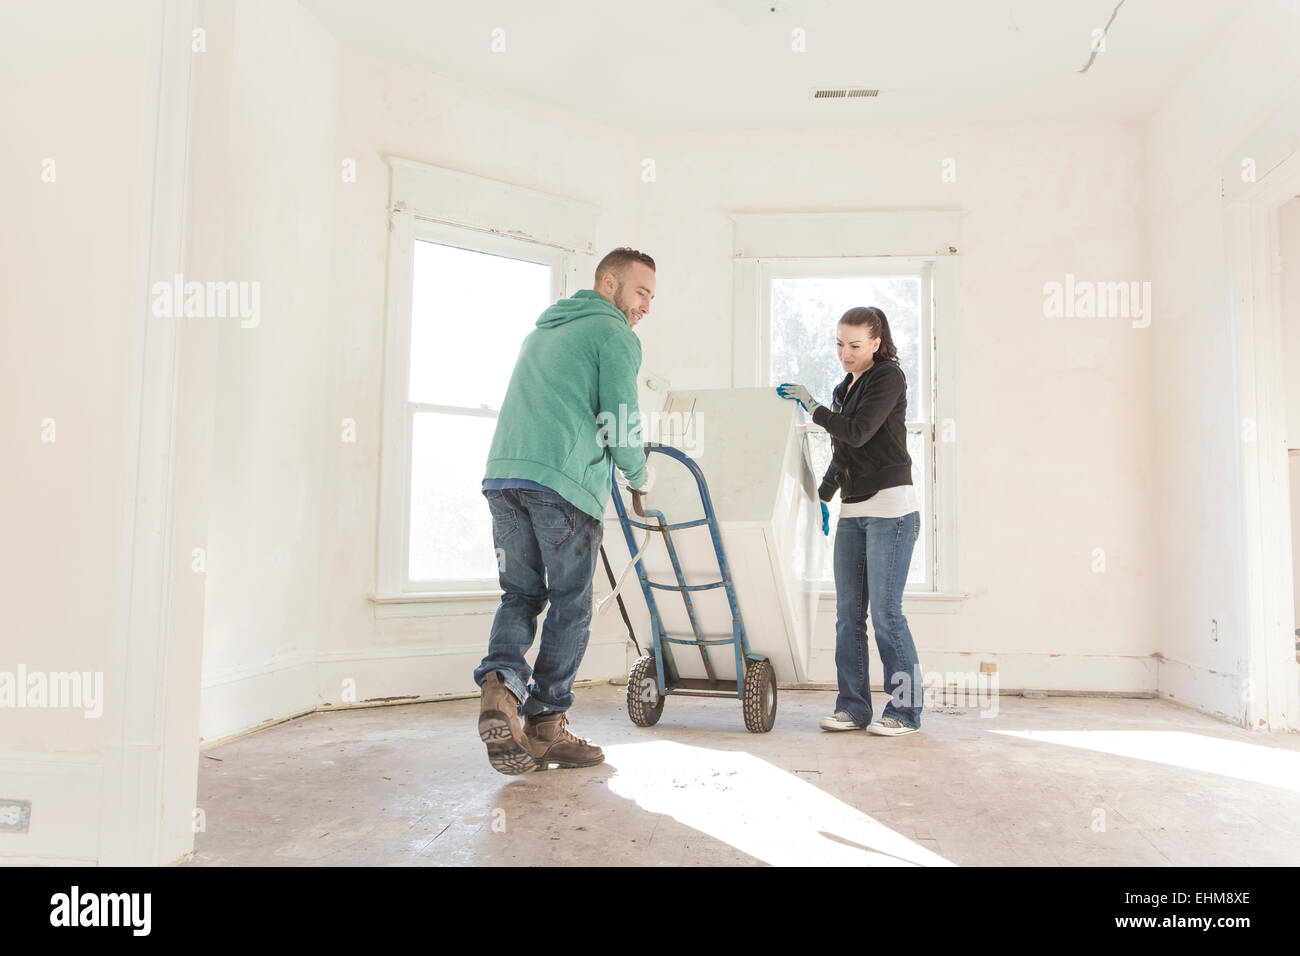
872 556
546 551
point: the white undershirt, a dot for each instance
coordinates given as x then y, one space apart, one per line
892 502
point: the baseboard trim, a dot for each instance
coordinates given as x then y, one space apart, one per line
1203 689
65 823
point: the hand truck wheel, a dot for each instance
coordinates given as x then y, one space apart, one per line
759 698
644 702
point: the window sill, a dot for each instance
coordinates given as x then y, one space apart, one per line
435 603
444 603
914 602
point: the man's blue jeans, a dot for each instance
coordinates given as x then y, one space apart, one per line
546 551
872 556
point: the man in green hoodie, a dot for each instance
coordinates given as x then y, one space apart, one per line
570 408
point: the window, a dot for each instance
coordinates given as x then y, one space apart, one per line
470 310
462 303
472 263
794 275
803 303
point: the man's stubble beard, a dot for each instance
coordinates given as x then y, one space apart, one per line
621 304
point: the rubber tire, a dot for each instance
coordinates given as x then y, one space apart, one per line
643 713
759 680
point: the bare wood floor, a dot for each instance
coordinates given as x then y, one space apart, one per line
1060 781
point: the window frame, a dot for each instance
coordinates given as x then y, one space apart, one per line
506 247
903 267
428 203
929 235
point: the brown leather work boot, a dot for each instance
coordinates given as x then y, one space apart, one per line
508 749
555 746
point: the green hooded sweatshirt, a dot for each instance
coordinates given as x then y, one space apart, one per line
572 404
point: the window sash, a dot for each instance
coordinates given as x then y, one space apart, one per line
395 530
770 269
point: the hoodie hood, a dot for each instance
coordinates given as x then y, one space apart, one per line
582 304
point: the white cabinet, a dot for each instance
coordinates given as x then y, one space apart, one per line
764 495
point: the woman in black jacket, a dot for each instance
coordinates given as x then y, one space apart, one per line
878 524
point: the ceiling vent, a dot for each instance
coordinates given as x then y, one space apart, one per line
843 93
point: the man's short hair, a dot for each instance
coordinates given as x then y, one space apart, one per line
618 260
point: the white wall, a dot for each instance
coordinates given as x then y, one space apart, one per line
69 258
1198 564
1053 414
263 192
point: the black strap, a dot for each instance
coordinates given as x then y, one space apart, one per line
621 609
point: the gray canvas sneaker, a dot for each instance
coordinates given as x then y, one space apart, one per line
839 720
890 727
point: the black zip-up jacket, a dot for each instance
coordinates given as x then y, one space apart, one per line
866 423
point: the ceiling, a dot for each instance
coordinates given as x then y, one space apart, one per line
669 64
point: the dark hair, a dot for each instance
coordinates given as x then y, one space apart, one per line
877 327
620 259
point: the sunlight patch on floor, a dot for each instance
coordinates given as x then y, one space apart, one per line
1231 758
756 807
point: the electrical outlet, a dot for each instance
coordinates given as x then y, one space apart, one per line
15 815
1214 630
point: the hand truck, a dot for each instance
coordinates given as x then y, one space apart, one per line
648 682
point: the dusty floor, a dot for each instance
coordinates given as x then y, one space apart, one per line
1063 780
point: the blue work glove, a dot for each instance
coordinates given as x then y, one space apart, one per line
797 393
826 520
